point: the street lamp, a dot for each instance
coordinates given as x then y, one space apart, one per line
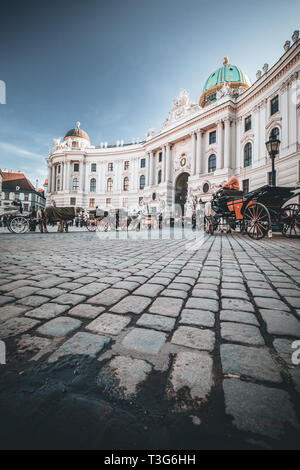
273 150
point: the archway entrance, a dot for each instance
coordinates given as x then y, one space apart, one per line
181 190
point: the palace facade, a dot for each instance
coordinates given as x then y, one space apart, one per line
198 147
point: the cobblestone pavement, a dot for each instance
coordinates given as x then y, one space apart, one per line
211 326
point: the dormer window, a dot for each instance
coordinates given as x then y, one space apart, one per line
76 167
74 144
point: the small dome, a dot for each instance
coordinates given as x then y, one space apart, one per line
230 74
77 132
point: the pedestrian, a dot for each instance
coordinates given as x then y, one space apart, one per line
33 220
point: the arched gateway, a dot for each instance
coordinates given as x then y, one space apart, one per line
181 190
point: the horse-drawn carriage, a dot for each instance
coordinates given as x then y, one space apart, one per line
21 223
255 213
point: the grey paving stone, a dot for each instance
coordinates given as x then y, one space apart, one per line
92 288
130 374
32 344
110 279
204 293
109 323
178 294
185 280
254 277
16 325
179 286
294 292
59 327
157 322
47 311
87 280
149 290
241 333
237 304
166 306
281 323
70 285
33 300
128 285
205 286
200 304
194 338
249 361
53 292
24 291
238 317
197 317
81 343
138 279
144 340
271 303
11 310
233 285
294 301
263 292
53 282
258 409
69 299
108 297
131 304
234 294
194 371
86 311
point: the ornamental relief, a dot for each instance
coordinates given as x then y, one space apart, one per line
182 163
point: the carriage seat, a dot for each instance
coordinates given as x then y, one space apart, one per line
233 193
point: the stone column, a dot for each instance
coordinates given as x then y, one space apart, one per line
150 168
49 177
220 141
163 164
68 176
284 104
84 165
227 135
80 176
193 153
238 143
293 101
53 182
198 152
168 162
256 134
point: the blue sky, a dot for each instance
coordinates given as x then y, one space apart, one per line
116 65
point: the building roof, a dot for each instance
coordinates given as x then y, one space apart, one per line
77 132
11 180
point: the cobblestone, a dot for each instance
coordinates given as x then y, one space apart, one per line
59 327
108 323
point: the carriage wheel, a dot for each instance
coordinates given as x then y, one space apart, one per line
18 225
91 225
290 221
257 220
102 225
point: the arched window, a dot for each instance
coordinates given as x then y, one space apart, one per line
142 181
248 154
75 184
109 185
212 163
126 184
93 185
58 185
159 177
274 133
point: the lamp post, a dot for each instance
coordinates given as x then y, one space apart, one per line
273 150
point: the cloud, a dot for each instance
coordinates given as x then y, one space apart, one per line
19 151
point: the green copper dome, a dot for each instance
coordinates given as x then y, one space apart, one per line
230 74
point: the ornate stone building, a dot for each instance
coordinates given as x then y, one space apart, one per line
198 147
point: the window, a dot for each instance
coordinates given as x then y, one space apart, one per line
205 187
76 166
110 167
125 202
26 197
270 178
26 207
160 157
274 133
7 196
126 184
108 202
248 154
143 163
73 201
92 202
159 177
274 105
212 137
75 184
58 185
142 181
93 167
109 185
58 169
248 123
126 165
140 200
93 185
74 144
245 186
212 163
